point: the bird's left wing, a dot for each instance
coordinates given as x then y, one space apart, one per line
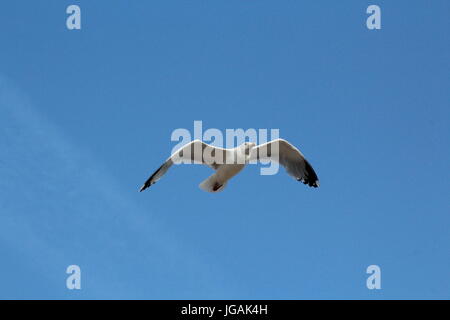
289 157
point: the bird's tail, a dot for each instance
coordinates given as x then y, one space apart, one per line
212 184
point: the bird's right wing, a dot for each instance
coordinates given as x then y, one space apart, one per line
196 152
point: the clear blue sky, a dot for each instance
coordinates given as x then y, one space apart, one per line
86 116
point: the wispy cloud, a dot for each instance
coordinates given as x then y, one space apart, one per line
59 206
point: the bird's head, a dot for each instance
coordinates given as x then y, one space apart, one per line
249 146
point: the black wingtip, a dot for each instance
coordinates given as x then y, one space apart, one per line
313 184
143 188
151 180
311 177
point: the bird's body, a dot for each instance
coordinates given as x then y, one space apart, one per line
229 162
218 180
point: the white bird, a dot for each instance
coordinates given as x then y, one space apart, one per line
229 162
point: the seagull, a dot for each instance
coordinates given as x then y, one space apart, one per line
229 162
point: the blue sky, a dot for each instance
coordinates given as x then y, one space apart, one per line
86 116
